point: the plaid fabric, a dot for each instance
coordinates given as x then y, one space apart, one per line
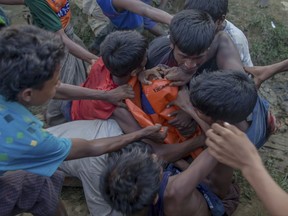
21 192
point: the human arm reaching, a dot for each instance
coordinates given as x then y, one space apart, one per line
114 96
231 146
139 7
262 73
184 103
83 148
75 49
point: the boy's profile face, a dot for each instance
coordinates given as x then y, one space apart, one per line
37 97
186 62
141 66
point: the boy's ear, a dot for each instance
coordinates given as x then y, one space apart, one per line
221 20
172 46
134 73
26 95
203 116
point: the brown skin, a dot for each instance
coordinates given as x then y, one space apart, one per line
114 96
80 147
221 176
262 73
231 146
181 196
139 7
222 47
168 152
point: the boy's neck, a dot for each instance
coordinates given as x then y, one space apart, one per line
143 212
243 126
120 80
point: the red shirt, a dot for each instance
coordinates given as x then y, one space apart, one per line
100 79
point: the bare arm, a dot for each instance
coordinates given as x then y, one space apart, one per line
125 120
139 7
191 177
174 152
12 2
168 152
183 102
72 92
83 148
273 197
226 53
231 146
76 49
262 73
115 96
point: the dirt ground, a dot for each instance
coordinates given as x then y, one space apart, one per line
244 14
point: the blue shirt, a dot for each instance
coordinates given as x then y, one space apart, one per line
257 132
124 20
25 145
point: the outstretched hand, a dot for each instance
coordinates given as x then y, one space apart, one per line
118 95
231 146
258 73
156 133
154 73
182 100
177 76
159 136
183 122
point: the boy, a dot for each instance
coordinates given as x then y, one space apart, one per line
55 16
218 10
134 183
193 46
30 65
219 96
123 55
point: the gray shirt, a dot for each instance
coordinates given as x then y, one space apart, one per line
240 41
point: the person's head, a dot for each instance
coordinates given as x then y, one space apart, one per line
191 34
216 8
124 53
29 64
219 96
131 179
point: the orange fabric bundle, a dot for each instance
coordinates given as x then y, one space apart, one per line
159 95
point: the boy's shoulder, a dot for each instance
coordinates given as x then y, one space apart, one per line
159 52
17 121
98 70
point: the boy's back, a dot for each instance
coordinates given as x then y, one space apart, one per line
99 78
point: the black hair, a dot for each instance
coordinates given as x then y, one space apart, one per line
29 57
216 8
131 181
224 95
123 52
143 147
192 31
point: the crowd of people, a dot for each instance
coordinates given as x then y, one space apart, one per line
149 128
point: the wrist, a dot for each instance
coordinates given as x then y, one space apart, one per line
252 167
105 95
